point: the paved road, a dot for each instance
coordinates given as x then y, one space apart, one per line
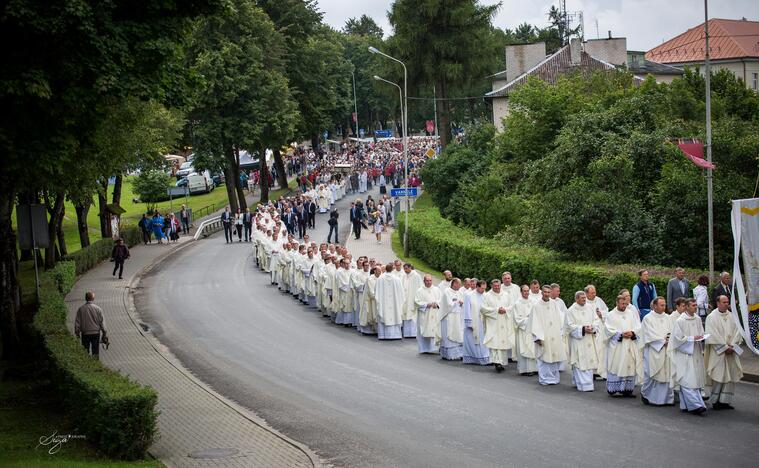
363 403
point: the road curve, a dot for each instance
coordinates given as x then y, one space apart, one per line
363 403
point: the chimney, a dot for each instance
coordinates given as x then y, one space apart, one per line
612 50
521 58
575 51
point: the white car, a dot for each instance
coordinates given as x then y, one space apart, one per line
200 183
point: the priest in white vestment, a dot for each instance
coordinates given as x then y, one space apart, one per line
451 323
623 357
427 302
446 282
601 311
358 282
687 359
367 319
496 311
344 292
475 351
390 302
556 297
412 281
309 282
722 356
656 328
547 329
535 291
581 325
524 346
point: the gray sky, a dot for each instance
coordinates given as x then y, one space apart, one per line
645 23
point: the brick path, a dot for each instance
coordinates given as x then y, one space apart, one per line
192 416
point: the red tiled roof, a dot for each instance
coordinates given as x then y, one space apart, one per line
728 39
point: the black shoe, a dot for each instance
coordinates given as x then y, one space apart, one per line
698 411
729 406
499 368
120 277
644 400
721 406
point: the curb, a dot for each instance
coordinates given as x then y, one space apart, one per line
174 362
753 378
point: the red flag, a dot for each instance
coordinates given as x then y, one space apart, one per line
430 126
354 116
694 150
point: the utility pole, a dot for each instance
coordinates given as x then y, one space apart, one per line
709 173
434 105
355 104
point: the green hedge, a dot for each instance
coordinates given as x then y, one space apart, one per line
446 246
116 414
98 251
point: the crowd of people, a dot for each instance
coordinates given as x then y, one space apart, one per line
671 355
161 227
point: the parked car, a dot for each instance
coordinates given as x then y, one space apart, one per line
200 183
185 169
218 178
182 182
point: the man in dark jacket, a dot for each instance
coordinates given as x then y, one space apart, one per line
119 254
146 226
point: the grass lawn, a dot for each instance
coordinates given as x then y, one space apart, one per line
397 242
217 198
29 410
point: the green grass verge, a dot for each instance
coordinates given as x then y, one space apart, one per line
418 263
30 409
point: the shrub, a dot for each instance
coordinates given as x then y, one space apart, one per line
445 246
116 414
64 275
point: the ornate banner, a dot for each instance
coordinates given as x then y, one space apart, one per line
745 223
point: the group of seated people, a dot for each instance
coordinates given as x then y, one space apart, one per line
669 355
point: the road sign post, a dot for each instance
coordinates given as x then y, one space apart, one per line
401 192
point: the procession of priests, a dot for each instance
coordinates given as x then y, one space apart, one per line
673 358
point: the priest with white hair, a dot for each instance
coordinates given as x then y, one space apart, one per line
581 325
427 302
687 359
367 318
524 347
496 313
546 327
412 281
451 323
623 357
390 302
656 329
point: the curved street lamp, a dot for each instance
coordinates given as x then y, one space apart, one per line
404 123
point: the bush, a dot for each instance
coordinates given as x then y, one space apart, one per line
445 246
64 275
116 414
96 252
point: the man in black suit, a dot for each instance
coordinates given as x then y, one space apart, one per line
290 220
724 288
247 222
311 210
355 219
226 221
302 220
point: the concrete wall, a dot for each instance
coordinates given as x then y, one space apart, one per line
612 50
743 69
500 110
520 58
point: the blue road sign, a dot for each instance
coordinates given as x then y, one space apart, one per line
383 133
401 192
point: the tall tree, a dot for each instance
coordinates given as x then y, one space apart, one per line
363 26
441 42
60 59
238 55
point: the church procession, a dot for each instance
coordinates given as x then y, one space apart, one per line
673 356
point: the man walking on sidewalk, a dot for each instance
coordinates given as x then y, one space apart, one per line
89 325
119 254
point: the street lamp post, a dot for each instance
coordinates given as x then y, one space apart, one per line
404 112
355 103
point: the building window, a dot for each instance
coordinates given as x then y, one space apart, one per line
755 81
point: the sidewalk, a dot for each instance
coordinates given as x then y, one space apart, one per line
198 427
